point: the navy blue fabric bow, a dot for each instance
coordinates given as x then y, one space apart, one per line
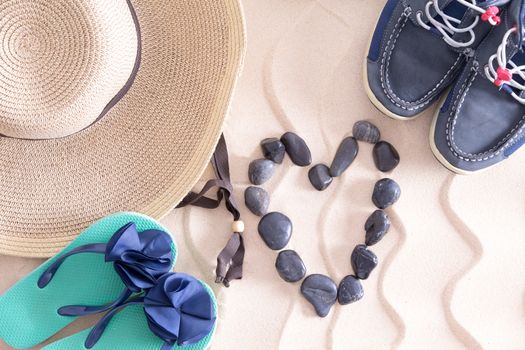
139 259
178 308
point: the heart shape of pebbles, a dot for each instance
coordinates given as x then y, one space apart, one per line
275 228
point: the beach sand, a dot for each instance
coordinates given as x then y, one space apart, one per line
451 272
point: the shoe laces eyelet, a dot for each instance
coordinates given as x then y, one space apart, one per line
468 52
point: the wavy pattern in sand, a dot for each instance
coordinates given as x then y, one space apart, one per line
277 179
286 124
200 260
332 271
333 13
394 315
524 303
468 236
269 92
281 115
289 313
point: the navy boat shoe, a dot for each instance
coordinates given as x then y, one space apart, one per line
482 120
419 47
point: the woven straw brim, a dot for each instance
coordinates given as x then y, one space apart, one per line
148 151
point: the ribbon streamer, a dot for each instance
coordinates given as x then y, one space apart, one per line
231 258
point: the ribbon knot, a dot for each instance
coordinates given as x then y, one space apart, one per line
491 15
179 309
231 258
139 259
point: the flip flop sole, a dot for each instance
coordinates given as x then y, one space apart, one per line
29 314
128 330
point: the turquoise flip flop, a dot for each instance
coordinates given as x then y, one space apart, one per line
134 328
79 280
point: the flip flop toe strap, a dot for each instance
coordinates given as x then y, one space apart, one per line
83 310
49 273
100 327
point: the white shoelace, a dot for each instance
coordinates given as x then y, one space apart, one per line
502 75
449 26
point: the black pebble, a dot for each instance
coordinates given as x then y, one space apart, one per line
319 176
257 200
273 149
363 261
297 149
290 266
344 156
350 290
366 131
386 157
260 171
276 230
386 193
321 292
376 227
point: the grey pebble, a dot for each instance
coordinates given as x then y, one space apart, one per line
260 171
366 131
321 292
273 149
386 157
319 176
344 156
350 290
297 149
257 200
376 227
290 266
363 261
386 192
276 230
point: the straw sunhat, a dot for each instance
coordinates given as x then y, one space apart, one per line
107 106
